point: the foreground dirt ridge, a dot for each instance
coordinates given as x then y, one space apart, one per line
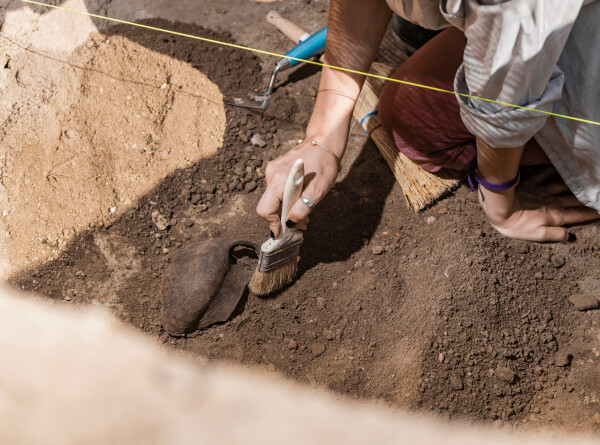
176 399
434 312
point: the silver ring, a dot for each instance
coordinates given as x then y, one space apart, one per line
308 202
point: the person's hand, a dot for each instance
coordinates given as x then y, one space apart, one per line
320 172
535 212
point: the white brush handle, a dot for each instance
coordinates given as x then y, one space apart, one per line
291 193
289 29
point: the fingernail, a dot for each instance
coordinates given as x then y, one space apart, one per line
290 224
572 238
271 234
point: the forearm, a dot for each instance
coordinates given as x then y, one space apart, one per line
354 33
498 165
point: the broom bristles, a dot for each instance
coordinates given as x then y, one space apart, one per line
421 188
264 283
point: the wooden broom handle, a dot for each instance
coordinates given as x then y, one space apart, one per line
290 29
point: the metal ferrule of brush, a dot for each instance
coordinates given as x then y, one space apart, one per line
277 252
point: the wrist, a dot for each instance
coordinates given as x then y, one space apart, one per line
498 165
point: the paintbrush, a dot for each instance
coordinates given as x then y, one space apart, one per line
278 258
421 188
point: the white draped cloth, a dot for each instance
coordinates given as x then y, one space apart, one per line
541 54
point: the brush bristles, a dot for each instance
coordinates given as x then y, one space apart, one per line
264 283
420 187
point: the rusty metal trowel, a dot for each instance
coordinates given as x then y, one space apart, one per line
203 285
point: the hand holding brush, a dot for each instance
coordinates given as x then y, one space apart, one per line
278 259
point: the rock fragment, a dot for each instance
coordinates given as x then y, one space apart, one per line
557 261
584 302
377 250
159 220
317 349
258 141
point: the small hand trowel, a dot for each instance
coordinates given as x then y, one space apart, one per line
311 47
203 286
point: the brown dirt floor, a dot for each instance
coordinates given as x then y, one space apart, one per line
433 312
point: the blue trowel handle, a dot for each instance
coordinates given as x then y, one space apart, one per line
307 49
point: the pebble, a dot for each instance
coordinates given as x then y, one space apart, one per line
377 250
292 345
159 221
188 222
456 382
584 302
258 141
505 374
80 274
557 261
317 349
430 220
563 359
329 334
271 367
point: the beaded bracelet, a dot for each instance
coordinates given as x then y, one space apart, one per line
474 178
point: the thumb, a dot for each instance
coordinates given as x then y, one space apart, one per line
555 234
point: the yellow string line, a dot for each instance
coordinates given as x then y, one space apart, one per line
311 62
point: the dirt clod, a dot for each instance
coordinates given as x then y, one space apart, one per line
505 375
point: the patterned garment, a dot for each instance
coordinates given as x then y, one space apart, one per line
542 54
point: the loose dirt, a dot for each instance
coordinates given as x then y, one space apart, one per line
434 311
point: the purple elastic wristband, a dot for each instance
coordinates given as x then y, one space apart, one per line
473 178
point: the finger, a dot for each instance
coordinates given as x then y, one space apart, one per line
573 215
300 211
554 234
269 205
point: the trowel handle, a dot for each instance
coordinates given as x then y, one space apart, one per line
309 48
289 29
291 193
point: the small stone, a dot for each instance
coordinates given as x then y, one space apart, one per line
188 222
557 261
202 208
174 79
456 382
563 359
505 375
80 274
584 302
250 186
320 303
292 345
258 141
329 334
430 220
271 367
112 210
317 349
377 250
159 221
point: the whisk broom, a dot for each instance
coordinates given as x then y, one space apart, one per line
420 187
